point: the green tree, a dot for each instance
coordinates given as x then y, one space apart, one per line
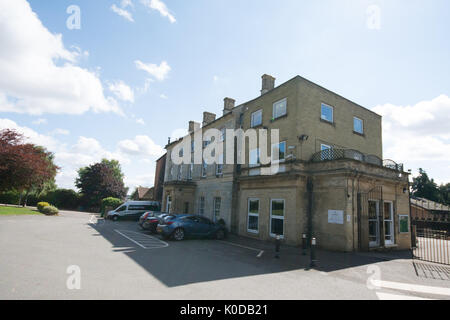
99 181
424 187
444 193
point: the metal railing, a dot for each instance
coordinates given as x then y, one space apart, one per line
337 154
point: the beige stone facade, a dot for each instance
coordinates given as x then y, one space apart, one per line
332 184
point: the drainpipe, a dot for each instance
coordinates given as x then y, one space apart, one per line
309 188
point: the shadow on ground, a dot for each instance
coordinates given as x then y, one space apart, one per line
195 261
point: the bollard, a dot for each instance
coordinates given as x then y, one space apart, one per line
304 244
277 247
313 252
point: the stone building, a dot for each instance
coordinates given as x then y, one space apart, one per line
331 184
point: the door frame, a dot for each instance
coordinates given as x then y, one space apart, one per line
392 229
377 220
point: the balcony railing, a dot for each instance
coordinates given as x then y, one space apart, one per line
337 154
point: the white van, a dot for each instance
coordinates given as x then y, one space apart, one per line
133 210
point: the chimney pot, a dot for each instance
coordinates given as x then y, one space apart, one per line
208 117
268 83
228 105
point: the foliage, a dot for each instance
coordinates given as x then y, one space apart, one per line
110 202
42 205
63 198
10 197
50 210
135 195
424 187
99 181
24 166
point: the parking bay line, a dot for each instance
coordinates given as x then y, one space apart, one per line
260 252
144 236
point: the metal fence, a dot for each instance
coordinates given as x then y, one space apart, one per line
337 154
431 241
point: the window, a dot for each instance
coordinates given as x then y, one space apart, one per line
180 172
186 207
254 158
191 169
281 150
219 165
201 206
204 167
222 134
253 215
324 154
217 203
279 108
192 146
256 119
122 208
326 113
277 217
358 125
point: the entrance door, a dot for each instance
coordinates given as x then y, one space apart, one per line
388 212
374 223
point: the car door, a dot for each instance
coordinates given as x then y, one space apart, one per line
191 225
205 226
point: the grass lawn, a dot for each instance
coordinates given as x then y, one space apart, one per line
13 211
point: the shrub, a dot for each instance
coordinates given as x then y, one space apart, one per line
110 202
42 205
50 210
63 198
10 197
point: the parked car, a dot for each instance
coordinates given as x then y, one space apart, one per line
183 226
133 210
150 220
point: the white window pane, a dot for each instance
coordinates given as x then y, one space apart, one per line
279 108
327 113
358 125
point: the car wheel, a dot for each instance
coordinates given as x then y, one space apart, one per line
220 234
178 234
115 218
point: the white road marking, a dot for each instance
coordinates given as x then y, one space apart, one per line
411 287
142 240
389 296
260 252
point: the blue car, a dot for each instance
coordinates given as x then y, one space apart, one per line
180 227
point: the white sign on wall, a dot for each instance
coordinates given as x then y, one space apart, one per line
336 216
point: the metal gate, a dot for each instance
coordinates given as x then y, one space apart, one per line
366 217
431 241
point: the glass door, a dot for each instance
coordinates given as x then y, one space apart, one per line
374 224
388 212
168 204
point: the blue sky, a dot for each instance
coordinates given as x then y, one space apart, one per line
212 49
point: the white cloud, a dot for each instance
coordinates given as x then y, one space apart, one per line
137 157
122 91
40 121
56 84
122 12
140 121
141 145
163 96
159 72
178 133
418 135
126 3
161 7
59 131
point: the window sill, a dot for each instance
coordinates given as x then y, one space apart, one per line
259 126
359 134
280 117
328 122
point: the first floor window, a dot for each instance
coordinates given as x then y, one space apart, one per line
204 167
256 119
254 158
279 149
219 165
191 169
217 204
279 108
253 215
180 172
201 206
358 125
326 152
277 217
326 113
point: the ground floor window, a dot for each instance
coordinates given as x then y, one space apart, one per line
277 217
253 215
201 206
168 204
186 207
217 204
388 212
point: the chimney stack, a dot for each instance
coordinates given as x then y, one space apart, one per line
268 83
193 126
208 117
228 105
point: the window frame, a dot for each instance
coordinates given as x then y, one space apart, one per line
279 160
190 172
258 163
201 206
362 125
322 105
204 169
219 165
250 214
273 108
215 208
252 123
400 216
277 217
